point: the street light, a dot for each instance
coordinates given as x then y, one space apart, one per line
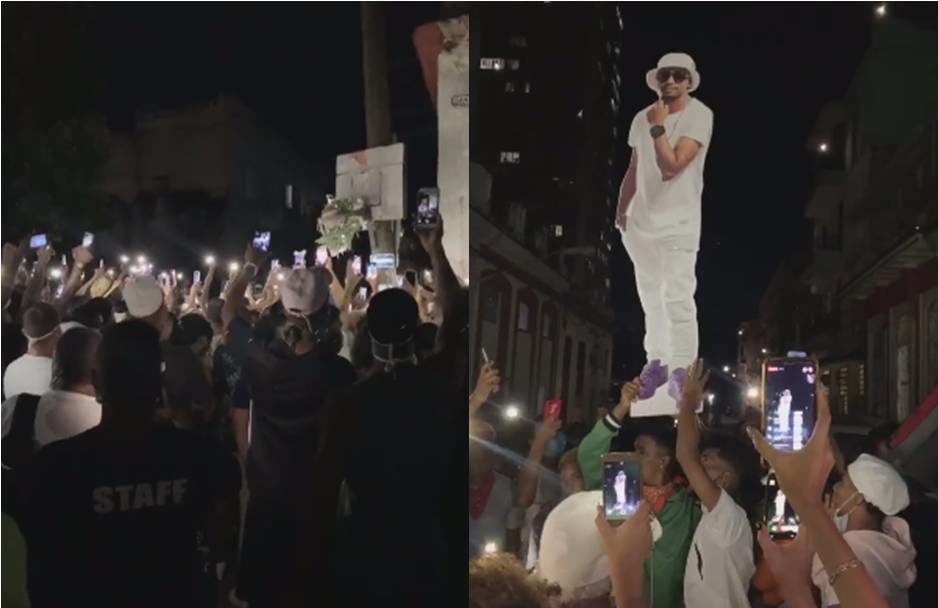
710 398
726 369
209 260
141 260
491 547
764 351
512 412
739 333
233 267
124 259
752 392
823 147
881 10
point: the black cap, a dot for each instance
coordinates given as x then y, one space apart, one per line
392 317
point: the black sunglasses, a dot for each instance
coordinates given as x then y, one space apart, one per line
679 75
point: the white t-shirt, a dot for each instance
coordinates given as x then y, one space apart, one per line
494 521
889 559
64 414
670 207
720 564
28 374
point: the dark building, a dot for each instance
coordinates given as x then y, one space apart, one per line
544 183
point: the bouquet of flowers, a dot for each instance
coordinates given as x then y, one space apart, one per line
340 220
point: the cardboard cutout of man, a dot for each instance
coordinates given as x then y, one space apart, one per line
659 215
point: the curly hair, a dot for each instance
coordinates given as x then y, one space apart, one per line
500 581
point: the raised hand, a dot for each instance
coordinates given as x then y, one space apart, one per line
627 396
431 238
695 382
82 255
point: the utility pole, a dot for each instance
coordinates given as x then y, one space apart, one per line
382 234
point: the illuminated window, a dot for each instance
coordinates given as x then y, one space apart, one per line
509 87
514 64
510 158
492 63
527 87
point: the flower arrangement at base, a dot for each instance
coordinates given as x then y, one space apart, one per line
341 219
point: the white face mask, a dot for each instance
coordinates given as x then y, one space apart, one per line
840 520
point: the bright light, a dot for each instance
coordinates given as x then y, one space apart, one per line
764 351
134 269
110 272
164 276
209 260
752 392
734 376
823 147
881 10
56 273
141 259
726 369
710 398
491 547
180 276
233 267
512 412
281 276
739 333
124 259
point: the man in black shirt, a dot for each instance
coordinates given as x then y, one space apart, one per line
119 515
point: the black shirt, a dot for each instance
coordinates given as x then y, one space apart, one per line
117 519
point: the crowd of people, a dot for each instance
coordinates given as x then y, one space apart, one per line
539 536
173 443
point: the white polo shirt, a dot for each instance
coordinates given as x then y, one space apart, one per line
720 563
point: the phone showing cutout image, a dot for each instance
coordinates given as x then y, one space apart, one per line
779 516
322 255
622 484
428 207
87 240
261 240
789 401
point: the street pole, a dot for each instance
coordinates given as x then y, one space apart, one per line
383 234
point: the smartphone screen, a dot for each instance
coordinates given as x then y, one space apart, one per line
262 240
780 518
38 240
372 271
357 264
362 296
322 254
622 484
552 410
87 240
383 260
428 207
197 277
299 259
789 408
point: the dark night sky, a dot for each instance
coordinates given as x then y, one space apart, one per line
766 70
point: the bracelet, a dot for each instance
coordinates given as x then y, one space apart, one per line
848 565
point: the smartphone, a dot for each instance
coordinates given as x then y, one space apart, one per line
372 271
87 240
779 517
622 484
428 207
789 401
362 296
274 264
64 260
357 265
322 254
552 409
383 260
197 277
427 277
38 241
299 259
400 280
261 240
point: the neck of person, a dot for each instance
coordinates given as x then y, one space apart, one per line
861 519
42 348
83 388
677 104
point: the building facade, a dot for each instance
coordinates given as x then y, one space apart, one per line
540 211
867 300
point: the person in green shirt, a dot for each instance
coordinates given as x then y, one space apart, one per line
663 487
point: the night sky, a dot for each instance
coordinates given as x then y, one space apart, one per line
766 71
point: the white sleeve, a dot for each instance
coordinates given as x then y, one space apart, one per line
634 133
8 406
727 521
700 127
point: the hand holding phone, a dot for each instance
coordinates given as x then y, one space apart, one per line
87 240
322 255
357 265
196 277
622 484
789 401
428 207
261 240
38 241
299 259
552 410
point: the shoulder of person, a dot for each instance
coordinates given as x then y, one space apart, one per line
701 108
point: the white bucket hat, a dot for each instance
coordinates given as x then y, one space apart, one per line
674 60
879 483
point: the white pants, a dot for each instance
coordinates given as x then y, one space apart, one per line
666 277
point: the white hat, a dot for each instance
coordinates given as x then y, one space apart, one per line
304 290
674 60
879 483
571 552
143 297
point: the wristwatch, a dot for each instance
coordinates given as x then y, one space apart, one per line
656 131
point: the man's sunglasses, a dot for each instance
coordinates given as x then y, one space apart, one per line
679 75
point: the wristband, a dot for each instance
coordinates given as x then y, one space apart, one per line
844 567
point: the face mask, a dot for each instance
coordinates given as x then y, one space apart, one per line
840 520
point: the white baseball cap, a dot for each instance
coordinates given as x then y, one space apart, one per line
143 296
674 60
571 552
879 483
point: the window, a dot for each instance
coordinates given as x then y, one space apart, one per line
844 389
509 87
558 230
498 64
527 87
510 158
490 308
580 366
514 64
486 63
523 314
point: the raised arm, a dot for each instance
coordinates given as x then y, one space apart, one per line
531 469
688 437
445 283
12 257
670 160
596 443
81 256
234 294
38 279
